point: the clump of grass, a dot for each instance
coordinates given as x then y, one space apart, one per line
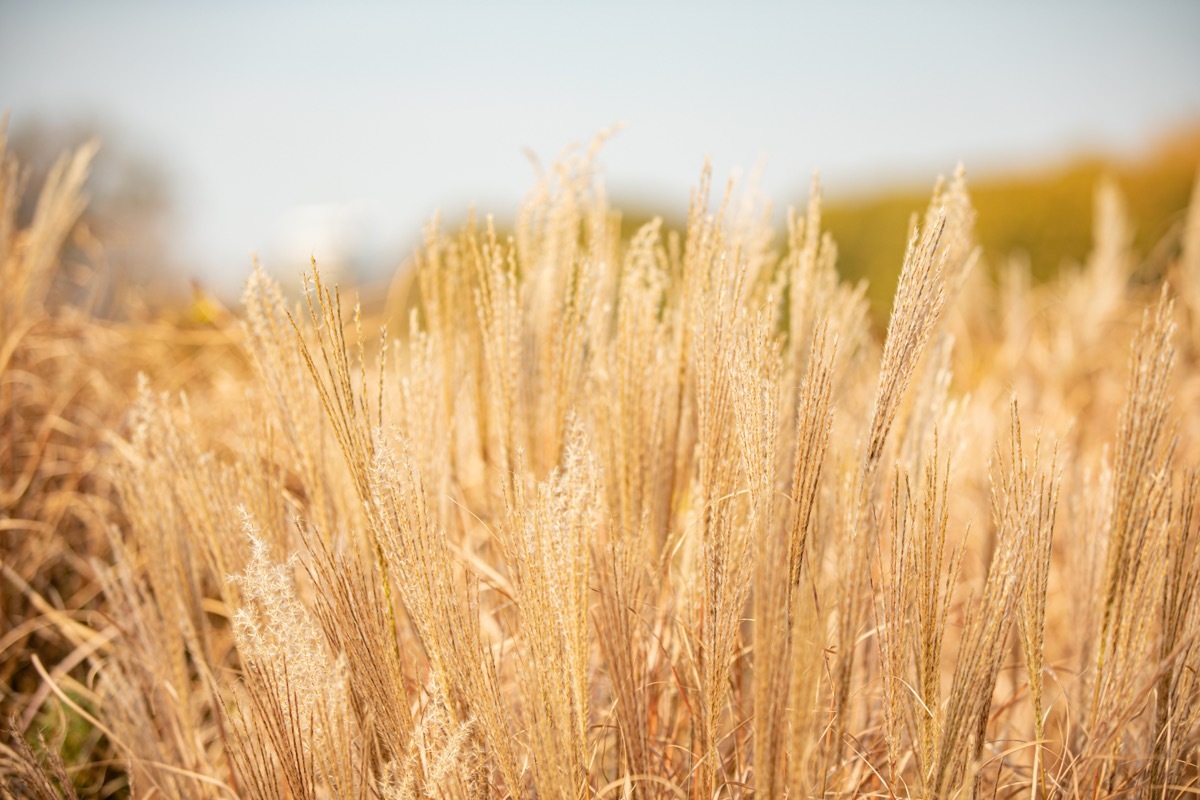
643 518
56 407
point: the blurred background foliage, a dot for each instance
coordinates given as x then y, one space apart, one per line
1041 214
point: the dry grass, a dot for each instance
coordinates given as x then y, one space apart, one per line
644 518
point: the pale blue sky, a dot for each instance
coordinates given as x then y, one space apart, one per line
280 121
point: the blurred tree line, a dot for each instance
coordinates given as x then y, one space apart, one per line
1044 216
122 246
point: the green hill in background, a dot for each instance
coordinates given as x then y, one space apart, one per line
1043 215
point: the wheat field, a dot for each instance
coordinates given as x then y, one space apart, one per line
602 517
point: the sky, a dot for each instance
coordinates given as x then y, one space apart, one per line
298 129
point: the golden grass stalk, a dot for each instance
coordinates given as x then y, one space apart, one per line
1135 563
